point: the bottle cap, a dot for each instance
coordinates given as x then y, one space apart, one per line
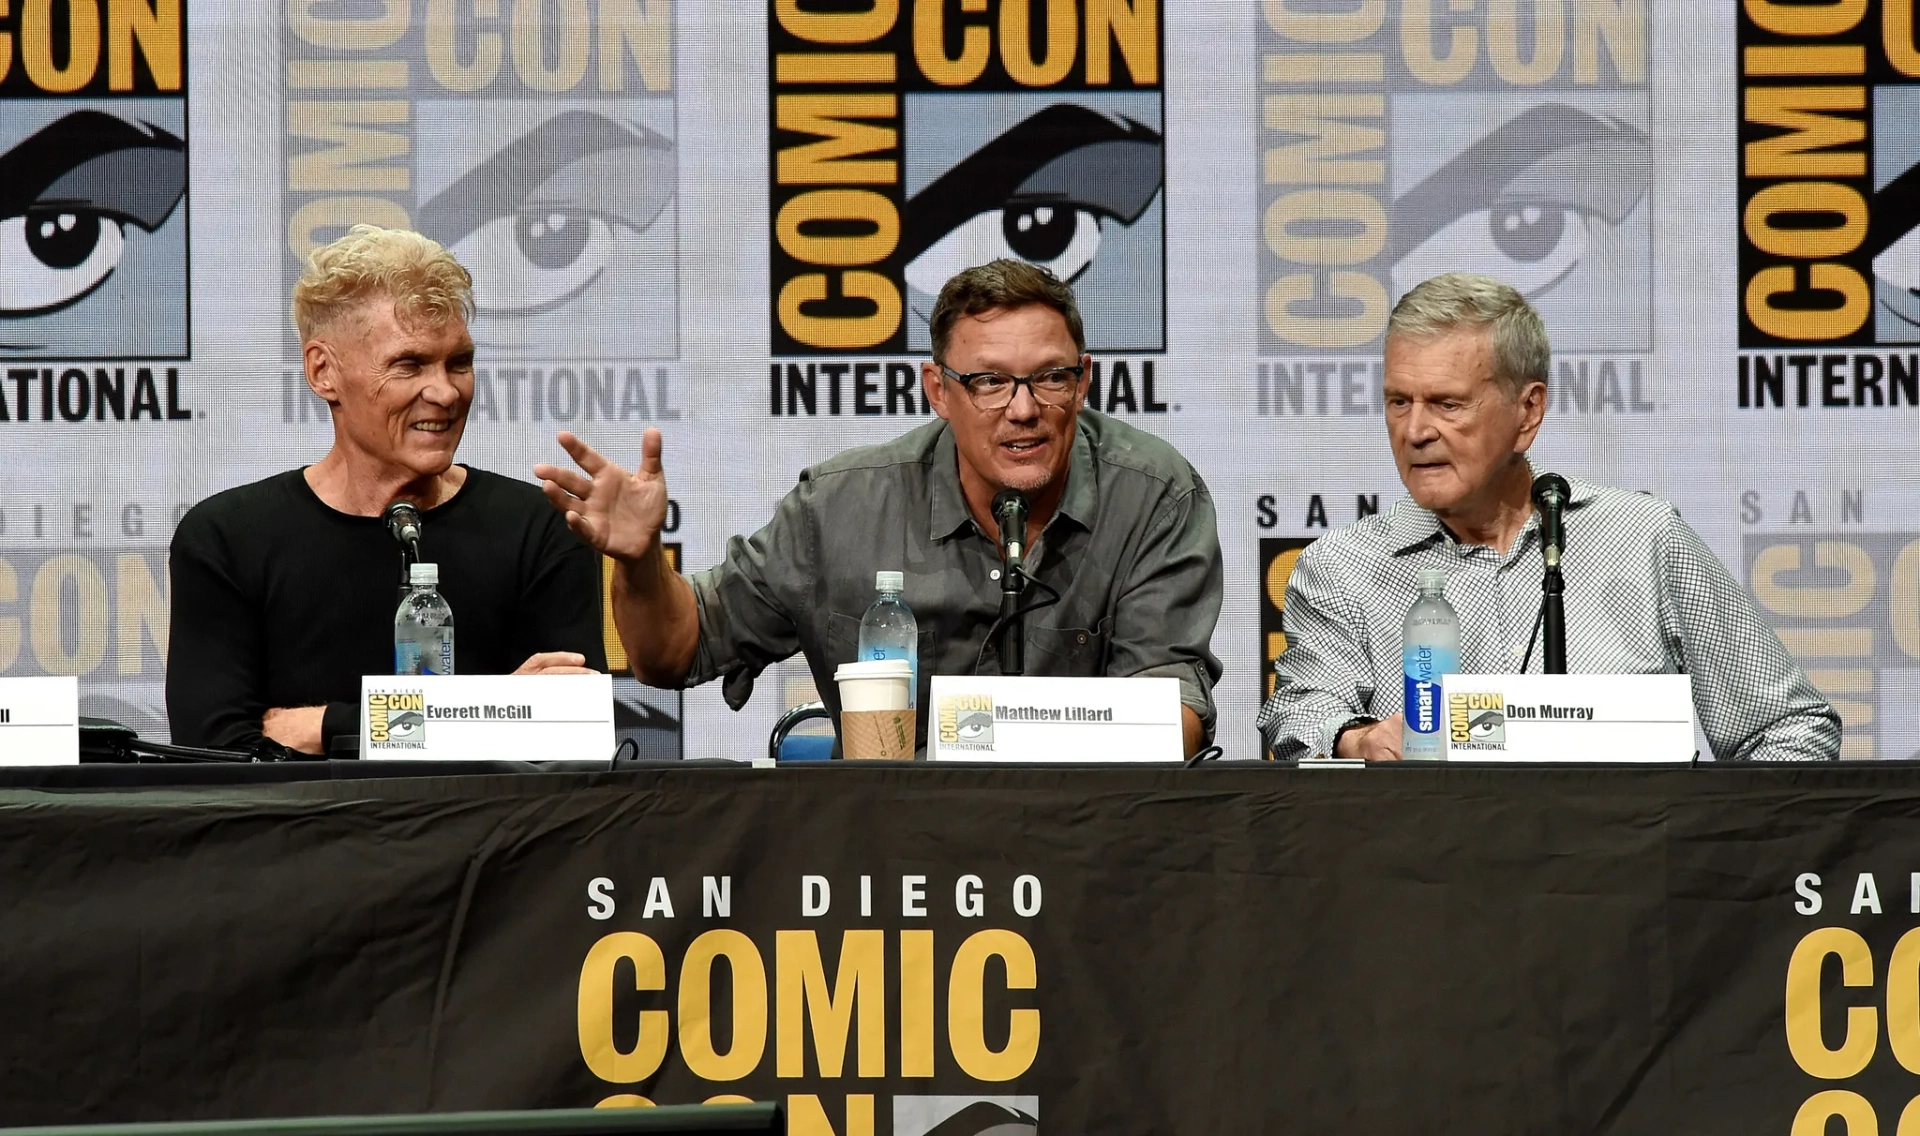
1433 579
427 574
889 581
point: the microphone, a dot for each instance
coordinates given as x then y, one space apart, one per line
1010 512
1550 495
403 521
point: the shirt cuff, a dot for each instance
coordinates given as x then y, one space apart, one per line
341 719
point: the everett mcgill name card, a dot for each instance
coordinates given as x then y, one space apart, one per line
1582 717
1013 718
487 717
40 720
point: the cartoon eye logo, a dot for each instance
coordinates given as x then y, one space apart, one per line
542 218
1486 724
1525 203
1040 192
974 725
986 1118
66 193
405 725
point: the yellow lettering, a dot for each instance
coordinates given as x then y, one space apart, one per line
1416 45
832 159
838 27
1799 111
49 611
353 160
156 27
1856 301
340 213
1320 210
443 57
1134 25
1806 201
1325 27
36 46
803 995
348 33
141 607
838 205
1804 1040
626 27
916 1003
530 44
1327 331
1016 46
807 1117
966 1007
1852 1109
1322 157
1896 30
1503 41
9 593
749 1006
929 46
1622 25
595 1014
1803 19
1819 602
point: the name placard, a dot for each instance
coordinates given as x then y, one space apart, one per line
1582 717
1014 718
487 717
40 720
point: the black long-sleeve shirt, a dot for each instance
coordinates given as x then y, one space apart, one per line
281 601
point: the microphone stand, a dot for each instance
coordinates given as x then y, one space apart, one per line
1553 617
1012 644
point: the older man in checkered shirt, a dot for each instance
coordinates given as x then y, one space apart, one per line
1466 389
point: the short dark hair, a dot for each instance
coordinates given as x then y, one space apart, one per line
1002 284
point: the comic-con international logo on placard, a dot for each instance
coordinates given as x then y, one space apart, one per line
965 721
538 142
1401 141
396 719
1829 204
1477 721
93 213
911 141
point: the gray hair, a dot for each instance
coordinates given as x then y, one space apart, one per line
1466 300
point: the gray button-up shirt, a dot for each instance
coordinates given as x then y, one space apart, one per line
1134 552
1644 596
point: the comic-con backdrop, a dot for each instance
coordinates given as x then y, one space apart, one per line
727 220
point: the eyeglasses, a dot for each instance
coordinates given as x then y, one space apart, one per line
993 390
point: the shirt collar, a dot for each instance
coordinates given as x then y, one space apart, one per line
948 502
1411 527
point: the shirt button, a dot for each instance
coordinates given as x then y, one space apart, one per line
1082 637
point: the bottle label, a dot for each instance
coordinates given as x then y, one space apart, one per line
1423 666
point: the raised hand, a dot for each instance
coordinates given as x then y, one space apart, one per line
618 513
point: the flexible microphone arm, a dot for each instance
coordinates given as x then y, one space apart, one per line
1550 495
1010 514
403 521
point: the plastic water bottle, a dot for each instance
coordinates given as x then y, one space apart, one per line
888 631
423 627
1430 647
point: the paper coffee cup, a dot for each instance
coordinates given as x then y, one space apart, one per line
875 720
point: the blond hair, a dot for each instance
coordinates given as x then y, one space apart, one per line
1458 300
426 284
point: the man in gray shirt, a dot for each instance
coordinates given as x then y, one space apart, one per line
1120 526
1466 392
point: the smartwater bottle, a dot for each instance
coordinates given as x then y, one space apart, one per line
1430 647
423 627
888 631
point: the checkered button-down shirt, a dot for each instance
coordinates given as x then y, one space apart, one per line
1644 595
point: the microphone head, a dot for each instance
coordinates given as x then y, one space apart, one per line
403 521
1007 498
1551 487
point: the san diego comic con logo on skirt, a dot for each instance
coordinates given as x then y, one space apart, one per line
93 182
396 719
907 143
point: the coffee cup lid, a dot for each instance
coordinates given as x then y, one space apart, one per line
876 668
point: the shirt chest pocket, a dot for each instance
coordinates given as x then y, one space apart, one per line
1069 652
